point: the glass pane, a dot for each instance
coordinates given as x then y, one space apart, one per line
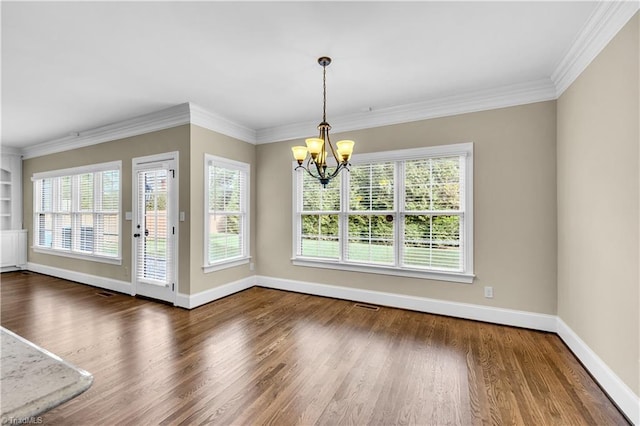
445 173
45 230
155 231
320 236
432 184
371 187
46 195
107 236
65 194
317 198
84 243
86 192
371 239
225 241
110 191
417 185
432 242
62 234
224 189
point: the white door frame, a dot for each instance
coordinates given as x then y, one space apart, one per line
170 159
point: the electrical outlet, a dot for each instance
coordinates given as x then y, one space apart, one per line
488 292
252 266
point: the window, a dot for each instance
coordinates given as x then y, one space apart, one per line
406 212
77 212
226 216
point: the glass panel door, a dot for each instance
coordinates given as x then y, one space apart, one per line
154 229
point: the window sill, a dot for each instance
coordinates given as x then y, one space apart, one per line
80 256
225 264
385 270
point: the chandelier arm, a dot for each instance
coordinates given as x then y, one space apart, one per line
308 168
338 170
331 175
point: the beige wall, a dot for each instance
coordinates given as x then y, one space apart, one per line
598 199
209 142
514 212
174 139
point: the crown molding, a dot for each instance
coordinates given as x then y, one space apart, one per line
159 120
478 100
605 22
217 123
9 150
186 113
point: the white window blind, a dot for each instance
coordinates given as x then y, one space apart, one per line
319 209
433 214
399 212
226 195
78 213
371 214
155 248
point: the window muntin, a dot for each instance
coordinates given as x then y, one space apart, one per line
77 212
406 210
226 216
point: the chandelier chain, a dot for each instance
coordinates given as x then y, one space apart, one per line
324 93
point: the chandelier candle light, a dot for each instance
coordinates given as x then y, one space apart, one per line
318 148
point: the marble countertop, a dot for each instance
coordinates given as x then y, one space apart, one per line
34 380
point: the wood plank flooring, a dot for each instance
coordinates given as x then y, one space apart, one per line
271 357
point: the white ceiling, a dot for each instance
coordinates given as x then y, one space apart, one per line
73 66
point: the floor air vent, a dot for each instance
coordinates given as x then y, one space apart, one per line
365 306
105 294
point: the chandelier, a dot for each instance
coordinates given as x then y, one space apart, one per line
318 163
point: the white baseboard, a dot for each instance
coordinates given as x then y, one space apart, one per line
626 400
81 277
422 304
11 268
194 300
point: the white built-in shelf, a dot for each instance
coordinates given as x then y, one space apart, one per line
10 192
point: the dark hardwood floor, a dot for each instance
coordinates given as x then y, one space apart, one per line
271 357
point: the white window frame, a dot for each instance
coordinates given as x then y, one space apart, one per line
244 257
465 276
92 168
